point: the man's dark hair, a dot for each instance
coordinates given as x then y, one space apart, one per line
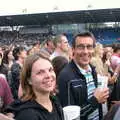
83 34
17 51
49 39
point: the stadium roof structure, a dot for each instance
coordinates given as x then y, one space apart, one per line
82 16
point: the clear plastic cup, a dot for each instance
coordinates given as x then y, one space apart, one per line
102 81
71 112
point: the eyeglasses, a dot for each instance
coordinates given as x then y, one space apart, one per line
82 47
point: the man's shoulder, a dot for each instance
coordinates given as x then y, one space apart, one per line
67 73
66 69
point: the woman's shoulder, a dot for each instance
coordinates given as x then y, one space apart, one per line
27 110
26 114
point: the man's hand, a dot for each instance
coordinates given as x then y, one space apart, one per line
101 94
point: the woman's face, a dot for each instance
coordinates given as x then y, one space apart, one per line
10 56
100 51
109 54
43 77
23 54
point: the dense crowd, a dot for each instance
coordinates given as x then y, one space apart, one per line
38 80
15 37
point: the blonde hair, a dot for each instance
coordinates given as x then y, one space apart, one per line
97 60
97 49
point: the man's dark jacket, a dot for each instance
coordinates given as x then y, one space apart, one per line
71 81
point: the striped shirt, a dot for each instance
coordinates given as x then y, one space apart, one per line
90 90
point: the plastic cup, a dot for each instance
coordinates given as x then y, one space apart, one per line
102 81
71 112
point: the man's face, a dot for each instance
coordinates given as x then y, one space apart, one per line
83 51
64 44
51 45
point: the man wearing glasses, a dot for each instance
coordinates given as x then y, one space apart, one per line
77 82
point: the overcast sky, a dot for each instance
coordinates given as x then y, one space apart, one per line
9 7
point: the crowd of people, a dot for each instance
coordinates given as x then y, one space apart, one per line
8 37
37 82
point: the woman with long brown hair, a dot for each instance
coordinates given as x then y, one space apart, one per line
38 80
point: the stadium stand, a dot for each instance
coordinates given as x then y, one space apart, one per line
107 35
104 36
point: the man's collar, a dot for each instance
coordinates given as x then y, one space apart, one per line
83 71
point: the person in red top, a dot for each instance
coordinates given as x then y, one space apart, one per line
5 94
115 59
